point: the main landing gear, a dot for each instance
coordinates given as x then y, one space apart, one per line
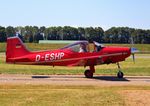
120 73
89 73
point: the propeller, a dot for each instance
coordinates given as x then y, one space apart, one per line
133 51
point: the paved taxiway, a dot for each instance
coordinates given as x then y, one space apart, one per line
98 80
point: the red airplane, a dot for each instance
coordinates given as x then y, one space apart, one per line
76 54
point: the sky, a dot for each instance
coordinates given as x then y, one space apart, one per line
76 13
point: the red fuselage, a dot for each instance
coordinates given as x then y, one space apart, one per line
66 57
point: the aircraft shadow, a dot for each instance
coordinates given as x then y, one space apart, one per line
105 78
109 78
40 76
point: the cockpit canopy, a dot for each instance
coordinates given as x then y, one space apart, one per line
80 46
83 46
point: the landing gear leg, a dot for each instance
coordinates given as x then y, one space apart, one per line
120 73
89 73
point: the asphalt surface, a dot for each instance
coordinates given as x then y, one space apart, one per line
73 80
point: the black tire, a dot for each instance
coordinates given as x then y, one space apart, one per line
88 74
120 74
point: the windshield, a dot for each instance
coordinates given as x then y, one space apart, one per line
80 46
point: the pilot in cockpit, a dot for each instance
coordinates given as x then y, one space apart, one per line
97 46
82 48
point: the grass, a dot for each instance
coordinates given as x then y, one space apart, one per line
140 68
2 47
55 95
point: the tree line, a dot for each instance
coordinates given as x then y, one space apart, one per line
113 35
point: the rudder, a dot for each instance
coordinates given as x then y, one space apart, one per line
15 48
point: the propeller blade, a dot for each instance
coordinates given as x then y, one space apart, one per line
133 57
133 51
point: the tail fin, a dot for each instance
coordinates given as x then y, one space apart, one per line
15 48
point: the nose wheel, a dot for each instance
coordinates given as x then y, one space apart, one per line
120 73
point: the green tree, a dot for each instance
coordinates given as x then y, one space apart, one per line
10 31
2 34
81 33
